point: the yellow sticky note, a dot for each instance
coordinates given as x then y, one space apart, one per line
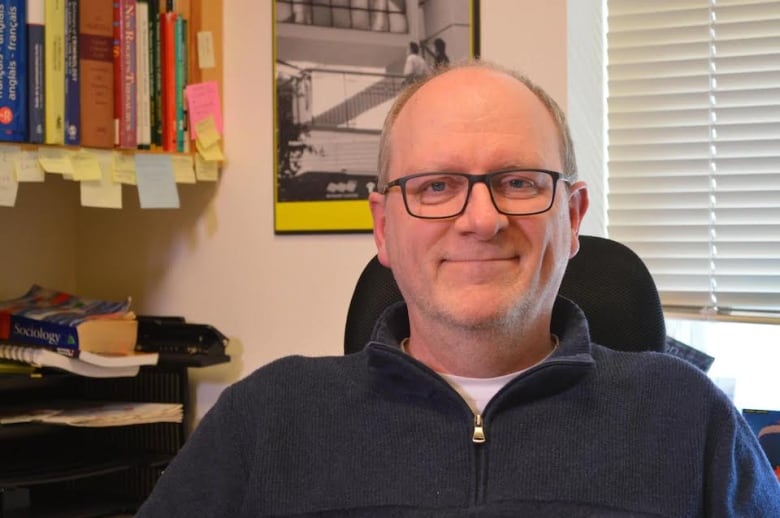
211 153
27 167
55 162
104 192
124 168
8 184
85 166
206 171
182 169
207 132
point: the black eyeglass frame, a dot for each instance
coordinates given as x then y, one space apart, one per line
473 179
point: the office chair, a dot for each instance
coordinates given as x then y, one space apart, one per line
606 279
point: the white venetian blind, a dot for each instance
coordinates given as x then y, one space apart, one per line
694 148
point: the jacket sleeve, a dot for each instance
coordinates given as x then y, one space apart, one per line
738 478
208 476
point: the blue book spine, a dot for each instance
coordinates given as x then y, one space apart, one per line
35 72
72 76
25 330
13 71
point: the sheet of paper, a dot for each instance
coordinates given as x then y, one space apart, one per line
124 168
202 101
156 181
206 171
9 187
27 167
55 161
103 193
212 153
85 166
183 169
207 132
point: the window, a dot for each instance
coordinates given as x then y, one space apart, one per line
694 149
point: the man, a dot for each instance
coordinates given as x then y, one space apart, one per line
496 403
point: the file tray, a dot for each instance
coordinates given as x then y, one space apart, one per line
180 342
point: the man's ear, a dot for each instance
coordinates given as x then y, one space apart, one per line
376 202
578 206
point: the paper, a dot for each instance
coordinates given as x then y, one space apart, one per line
183 169
27 167
210 154
124 168
206 50
105 192
207 132
55 161
85 166
206 171
202 101
156 181
8 184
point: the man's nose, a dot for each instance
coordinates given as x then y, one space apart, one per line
481 216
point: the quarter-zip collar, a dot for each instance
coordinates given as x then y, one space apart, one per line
395 373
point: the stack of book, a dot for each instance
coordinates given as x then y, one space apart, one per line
95 73
47 328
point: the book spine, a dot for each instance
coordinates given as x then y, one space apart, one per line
155 87
181 81
124 74
13 71
35 71
96 34
72 88
142 75
168 71
54 60
23 330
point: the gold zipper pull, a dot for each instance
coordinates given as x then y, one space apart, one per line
478 437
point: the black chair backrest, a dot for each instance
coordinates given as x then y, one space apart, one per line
606 279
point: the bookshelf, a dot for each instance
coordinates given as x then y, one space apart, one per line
203 64
50 470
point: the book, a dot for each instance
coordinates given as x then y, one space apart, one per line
68 323
181 45
36 117
96 37
168 79
155 87
93 413
13 71
125 84
54 75
72 83
766 425
143 127
42 357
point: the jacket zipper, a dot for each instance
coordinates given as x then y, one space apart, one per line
478 439
478 436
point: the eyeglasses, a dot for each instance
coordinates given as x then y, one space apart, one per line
514 192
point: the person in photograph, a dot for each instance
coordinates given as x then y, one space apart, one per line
440 58
415 67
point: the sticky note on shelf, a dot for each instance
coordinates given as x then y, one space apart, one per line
104 192
9 187
203 101
206 171
156 181
27 167
183 170
124 168
85 166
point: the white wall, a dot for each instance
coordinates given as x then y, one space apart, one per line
216 260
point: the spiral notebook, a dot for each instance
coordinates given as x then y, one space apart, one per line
41 357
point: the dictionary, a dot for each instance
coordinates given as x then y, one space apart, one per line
68 323
13 71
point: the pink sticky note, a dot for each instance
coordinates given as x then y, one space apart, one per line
202 101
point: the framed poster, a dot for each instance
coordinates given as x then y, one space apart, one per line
338 66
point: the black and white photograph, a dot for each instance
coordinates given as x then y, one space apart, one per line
339 64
